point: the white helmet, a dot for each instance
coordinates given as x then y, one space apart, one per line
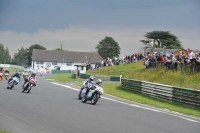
99 82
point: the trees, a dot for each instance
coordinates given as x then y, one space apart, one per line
20 58
30 50
108 48
161 39
5 57
24 56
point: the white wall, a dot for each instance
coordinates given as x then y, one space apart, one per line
50 66
13 66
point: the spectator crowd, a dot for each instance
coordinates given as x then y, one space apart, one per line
170 60
151 60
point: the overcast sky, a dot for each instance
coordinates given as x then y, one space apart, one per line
80 24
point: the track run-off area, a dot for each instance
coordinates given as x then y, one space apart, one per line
53 107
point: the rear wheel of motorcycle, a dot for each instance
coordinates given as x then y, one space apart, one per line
79 96
95 98
11 86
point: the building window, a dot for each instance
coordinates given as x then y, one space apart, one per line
69 64
54 63
40 62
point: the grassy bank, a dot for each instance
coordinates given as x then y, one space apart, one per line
4 131
163 76
64 78
116 90
10 69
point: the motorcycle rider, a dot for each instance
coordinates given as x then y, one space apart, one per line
25 74
90 80
1 70
17 74
99 82
32 75
7 71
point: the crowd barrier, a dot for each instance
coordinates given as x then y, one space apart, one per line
188 97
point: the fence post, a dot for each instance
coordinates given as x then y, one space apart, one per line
120 78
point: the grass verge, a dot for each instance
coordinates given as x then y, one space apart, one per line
116 90
4 131
157 75
64 78
11 69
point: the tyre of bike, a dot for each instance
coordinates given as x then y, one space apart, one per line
95 98
29 88
79 95
24 87
12 85
84 99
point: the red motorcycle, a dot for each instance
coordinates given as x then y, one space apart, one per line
28 85
1 76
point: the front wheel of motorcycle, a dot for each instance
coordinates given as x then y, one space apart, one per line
29 89
84 98
95 98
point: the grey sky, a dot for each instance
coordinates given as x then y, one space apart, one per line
79 25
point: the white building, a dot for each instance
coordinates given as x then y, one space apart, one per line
47 60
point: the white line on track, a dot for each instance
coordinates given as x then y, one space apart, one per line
138 106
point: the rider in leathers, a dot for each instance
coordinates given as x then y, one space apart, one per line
90 80
17 74
29 77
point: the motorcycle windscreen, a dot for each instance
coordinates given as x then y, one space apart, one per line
90 93
16 79
83 92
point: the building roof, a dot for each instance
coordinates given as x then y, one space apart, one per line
65 56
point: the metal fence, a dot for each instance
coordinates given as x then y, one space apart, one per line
104 78
109 72
188 97
60 71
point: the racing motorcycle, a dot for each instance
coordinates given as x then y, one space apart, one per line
28 85
1 76
93 95
13 82
80 92
6 75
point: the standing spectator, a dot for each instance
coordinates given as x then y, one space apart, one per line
41 73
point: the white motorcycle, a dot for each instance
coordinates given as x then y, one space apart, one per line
93 95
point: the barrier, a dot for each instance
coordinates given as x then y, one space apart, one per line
13 66
104 78
60 71
188 97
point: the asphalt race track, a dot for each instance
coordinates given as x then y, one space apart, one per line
54 108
